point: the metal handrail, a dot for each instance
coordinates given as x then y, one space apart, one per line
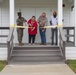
62 43
10 43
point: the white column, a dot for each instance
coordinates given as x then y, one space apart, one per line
75 19
60 12
12 11
60 15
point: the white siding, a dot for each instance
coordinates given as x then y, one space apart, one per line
0 21
66 14
72 21
0 14
4 19
71 53
5 14
3 53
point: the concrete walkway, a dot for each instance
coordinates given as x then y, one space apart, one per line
46 69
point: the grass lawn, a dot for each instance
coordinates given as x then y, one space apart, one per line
72 64
2 65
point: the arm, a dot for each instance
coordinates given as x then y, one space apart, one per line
35 26
29 23
46 23
17 22
24 19
51 23
39 21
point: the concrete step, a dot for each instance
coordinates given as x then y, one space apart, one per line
36 58
36 47
36 53
24 52
35 62
32 54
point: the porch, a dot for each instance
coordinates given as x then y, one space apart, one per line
36 8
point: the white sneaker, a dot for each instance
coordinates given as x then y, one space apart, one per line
29 43
33 44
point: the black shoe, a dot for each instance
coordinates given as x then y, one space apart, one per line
52 43
55 43
41 43
44 44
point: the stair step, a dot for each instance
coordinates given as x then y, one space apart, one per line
52 46
35 63
36 55
37 59
36 47
36 52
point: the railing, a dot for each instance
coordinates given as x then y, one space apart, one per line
62 43
70 33
3 35
10 43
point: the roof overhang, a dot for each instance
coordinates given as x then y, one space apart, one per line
69 1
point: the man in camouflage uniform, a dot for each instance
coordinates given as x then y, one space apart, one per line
20 22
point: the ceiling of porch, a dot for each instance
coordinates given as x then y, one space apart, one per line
36 1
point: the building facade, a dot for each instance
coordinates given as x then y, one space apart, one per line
66 17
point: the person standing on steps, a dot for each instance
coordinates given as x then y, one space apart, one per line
32 30
20 22
43 21
54 22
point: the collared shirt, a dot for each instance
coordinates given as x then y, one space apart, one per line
54 21
43 21
20 21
